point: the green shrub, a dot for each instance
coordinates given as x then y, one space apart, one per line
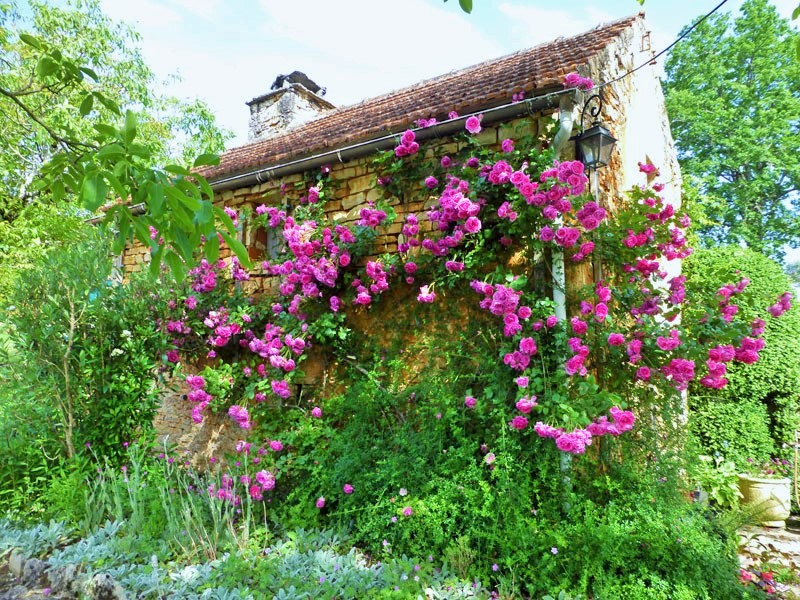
735 431
774 380
85 349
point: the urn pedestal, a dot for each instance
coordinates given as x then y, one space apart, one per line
770 499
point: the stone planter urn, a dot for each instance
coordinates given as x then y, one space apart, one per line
770 499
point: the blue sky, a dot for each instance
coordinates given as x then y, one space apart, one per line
229 51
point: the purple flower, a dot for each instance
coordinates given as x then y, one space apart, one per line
320 502
507 145
347 488
469 402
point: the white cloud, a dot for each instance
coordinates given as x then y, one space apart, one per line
143 13
360 48
205 9
533 25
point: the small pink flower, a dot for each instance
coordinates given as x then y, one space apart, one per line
347 488
469 402
316 412
426 295
321 502
408 511
507 145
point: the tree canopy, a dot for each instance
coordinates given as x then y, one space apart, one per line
735 115
82 124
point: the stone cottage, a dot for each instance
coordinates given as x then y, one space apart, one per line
295 132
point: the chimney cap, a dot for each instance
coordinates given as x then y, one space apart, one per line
301 78
296 88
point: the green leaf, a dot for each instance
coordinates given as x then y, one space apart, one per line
86 105
206 159
227 222
110 151
141 231
107 102
796 13
139 150
46 66
466 5
155 260
108 131
211 248
123 230
177 170
155 200
184 243
129 130
205 214
238 248
32 41
89 72
93 192
116 185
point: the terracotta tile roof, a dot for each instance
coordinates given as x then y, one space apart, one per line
482 86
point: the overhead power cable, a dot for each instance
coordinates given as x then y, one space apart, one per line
668 48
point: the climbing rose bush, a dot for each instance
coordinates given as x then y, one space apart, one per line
575 380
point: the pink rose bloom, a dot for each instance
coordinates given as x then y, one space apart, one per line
643 373
578 327
347 488
616 339
469 402
276 445
473 124
525 405
600 312
321 502
543 430
519 422
522 382
528 346
266 480
408 511
507 145
316 412
426 295
431 182
623 418
472 225
408 137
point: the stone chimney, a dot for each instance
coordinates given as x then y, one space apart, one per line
289 106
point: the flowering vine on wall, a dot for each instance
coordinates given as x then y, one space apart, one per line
569 377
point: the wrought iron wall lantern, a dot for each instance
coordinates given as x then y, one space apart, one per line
594 145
